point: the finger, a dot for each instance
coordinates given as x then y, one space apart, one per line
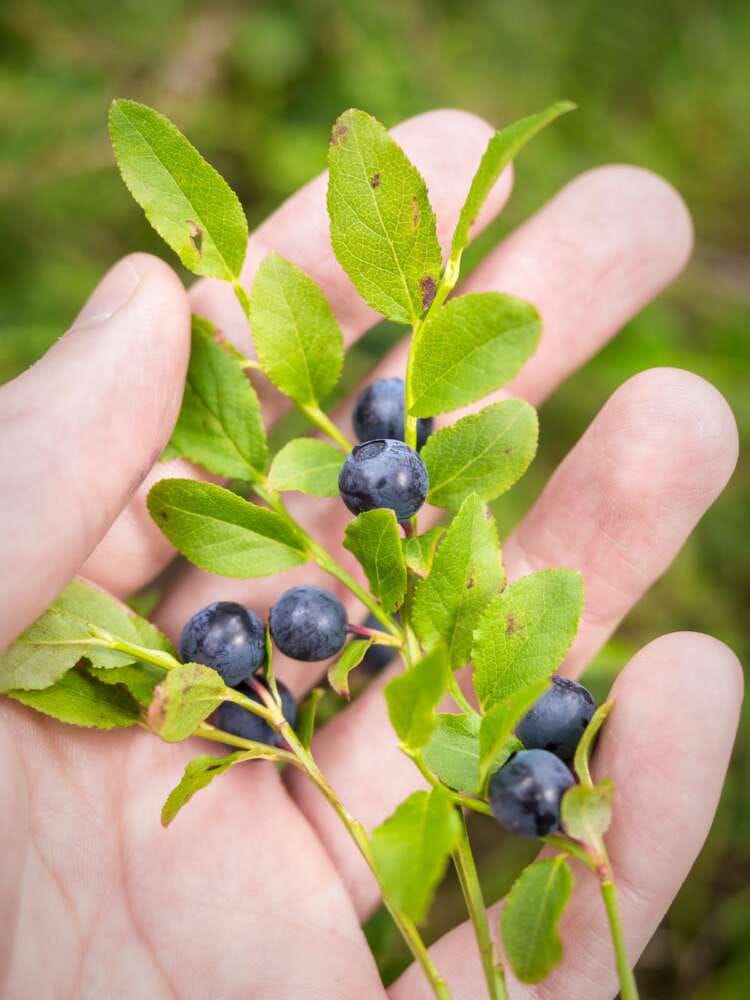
626 214
618 509
446 146
666 745
83 427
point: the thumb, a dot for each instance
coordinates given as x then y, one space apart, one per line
81 428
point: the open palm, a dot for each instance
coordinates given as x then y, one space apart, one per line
255 891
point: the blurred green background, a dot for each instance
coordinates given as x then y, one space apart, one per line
664 85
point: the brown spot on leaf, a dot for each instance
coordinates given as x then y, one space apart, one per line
338 133
196 236
511 625
508 451
414 213
472 581
375 181
428 288
163 515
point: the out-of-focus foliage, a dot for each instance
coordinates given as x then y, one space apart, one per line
664 85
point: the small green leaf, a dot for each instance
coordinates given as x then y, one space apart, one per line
411 849
222 533
375 540
306 717
188 203
586 743
201 771
351 657
471 346
484 453
419 551
498 725
80 700
62 636
219 426
452 752
296 335
525 632
186 696
587 811
307 465
501 149
466 573
413 697
382 224
531 915
139 678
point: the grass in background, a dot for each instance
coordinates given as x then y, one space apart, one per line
662 85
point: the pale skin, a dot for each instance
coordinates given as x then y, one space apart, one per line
255 891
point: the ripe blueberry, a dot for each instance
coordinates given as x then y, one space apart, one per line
227 637
308 623
379 413
557 721
237 720
384 473
526 792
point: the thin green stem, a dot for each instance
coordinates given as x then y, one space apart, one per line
159 657
476 805
324 423
208 732
358 834
468 877
459 697
628 987
268 714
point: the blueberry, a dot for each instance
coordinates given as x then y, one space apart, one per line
308 623
384 473
377 657
557 721
525 793
237 720
379 413
227 637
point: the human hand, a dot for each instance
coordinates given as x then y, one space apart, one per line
255 891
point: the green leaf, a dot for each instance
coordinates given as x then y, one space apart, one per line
222 533
62 636
413 697
219 426
501 149
306 717
307 465
296 335
469 347
411 849
484 453
587 811
587 741
382 224
139 678
498 725
466 573
525 632
419 551
186 696
452 752
188 203
531 915
201 771
81 700
375 540
351 657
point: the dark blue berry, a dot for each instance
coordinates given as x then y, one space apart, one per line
557 721
308 623
526 792
377 657
384 473
379 413
227 637
237 720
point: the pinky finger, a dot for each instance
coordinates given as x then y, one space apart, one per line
667 746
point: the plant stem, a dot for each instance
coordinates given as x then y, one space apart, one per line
208 732
358 834
324 423
379 638
459 697
159 657
466 869
628 987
